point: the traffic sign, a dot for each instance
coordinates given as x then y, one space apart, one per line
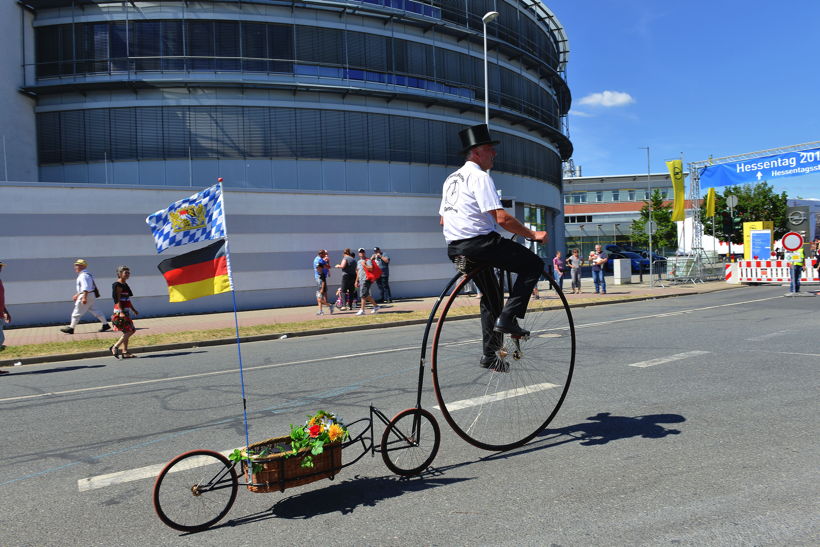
792 241
731 200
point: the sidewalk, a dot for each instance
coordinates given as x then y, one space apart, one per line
396 311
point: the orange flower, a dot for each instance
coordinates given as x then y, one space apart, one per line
335 431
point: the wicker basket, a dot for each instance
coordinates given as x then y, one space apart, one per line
279 472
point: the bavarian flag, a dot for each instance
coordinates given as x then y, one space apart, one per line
196 218
710 203
679 206
202 272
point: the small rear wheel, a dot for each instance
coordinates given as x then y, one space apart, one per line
195 490
410 442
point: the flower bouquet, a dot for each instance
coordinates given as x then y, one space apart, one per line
311 452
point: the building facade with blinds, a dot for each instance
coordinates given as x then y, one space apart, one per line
332 123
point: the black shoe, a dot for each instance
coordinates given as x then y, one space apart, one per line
509 326
494 363
106 327
67 330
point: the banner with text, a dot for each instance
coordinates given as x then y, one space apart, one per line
789 164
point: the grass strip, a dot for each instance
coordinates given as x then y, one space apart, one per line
142 342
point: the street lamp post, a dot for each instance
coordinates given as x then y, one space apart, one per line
650 225
487 19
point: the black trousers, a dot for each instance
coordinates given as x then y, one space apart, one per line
502 253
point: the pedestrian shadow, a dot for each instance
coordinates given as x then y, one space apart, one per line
172 354
58 369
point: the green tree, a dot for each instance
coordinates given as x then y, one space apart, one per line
666 231
755 202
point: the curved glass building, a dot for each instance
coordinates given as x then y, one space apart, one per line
337 100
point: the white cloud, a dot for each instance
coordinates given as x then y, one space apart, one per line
580 113
607 99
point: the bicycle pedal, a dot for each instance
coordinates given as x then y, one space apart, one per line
520 337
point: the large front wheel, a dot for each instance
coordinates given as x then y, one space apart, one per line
525 381
195 490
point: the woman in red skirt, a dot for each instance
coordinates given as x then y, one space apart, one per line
123 308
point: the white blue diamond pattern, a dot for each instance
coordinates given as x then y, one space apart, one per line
162 228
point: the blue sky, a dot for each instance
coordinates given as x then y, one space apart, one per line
702 78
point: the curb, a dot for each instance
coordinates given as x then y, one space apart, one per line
37 359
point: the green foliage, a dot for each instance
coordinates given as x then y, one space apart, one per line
666 233
755 203
320 429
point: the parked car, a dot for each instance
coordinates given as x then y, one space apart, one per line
637 262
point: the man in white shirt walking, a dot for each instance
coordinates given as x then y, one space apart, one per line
87 293
469 210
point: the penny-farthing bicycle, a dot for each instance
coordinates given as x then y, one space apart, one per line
496 407
508 403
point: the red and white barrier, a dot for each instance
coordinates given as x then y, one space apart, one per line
770 271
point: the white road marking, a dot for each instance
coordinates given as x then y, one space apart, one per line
769 335
517 392
668 359
147 472
204 374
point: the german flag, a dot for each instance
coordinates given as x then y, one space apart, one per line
199 273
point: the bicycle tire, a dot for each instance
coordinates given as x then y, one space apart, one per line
406 446
508 404
192 495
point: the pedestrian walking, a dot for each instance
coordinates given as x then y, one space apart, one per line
5 316
558 267
383 261
797 258
470 208
321 271
598 258
575 262
84 298
348 266
123 308
364 281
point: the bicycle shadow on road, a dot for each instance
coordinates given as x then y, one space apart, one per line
604 428
601 429
343 497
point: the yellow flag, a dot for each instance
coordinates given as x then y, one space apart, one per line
710 203
676 172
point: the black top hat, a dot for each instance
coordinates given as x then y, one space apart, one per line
475 136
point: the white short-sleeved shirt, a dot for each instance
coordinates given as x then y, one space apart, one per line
467 198
85 282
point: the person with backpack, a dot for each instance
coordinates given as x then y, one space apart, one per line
383 261
367 272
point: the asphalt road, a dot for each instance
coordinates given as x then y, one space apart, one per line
690 421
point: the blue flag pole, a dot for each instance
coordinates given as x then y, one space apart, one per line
238 343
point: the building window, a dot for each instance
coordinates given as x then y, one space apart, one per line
616 195
182 132
579 197
599 196
631 194
227 46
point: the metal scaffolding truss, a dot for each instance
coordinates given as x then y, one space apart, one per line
697 253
